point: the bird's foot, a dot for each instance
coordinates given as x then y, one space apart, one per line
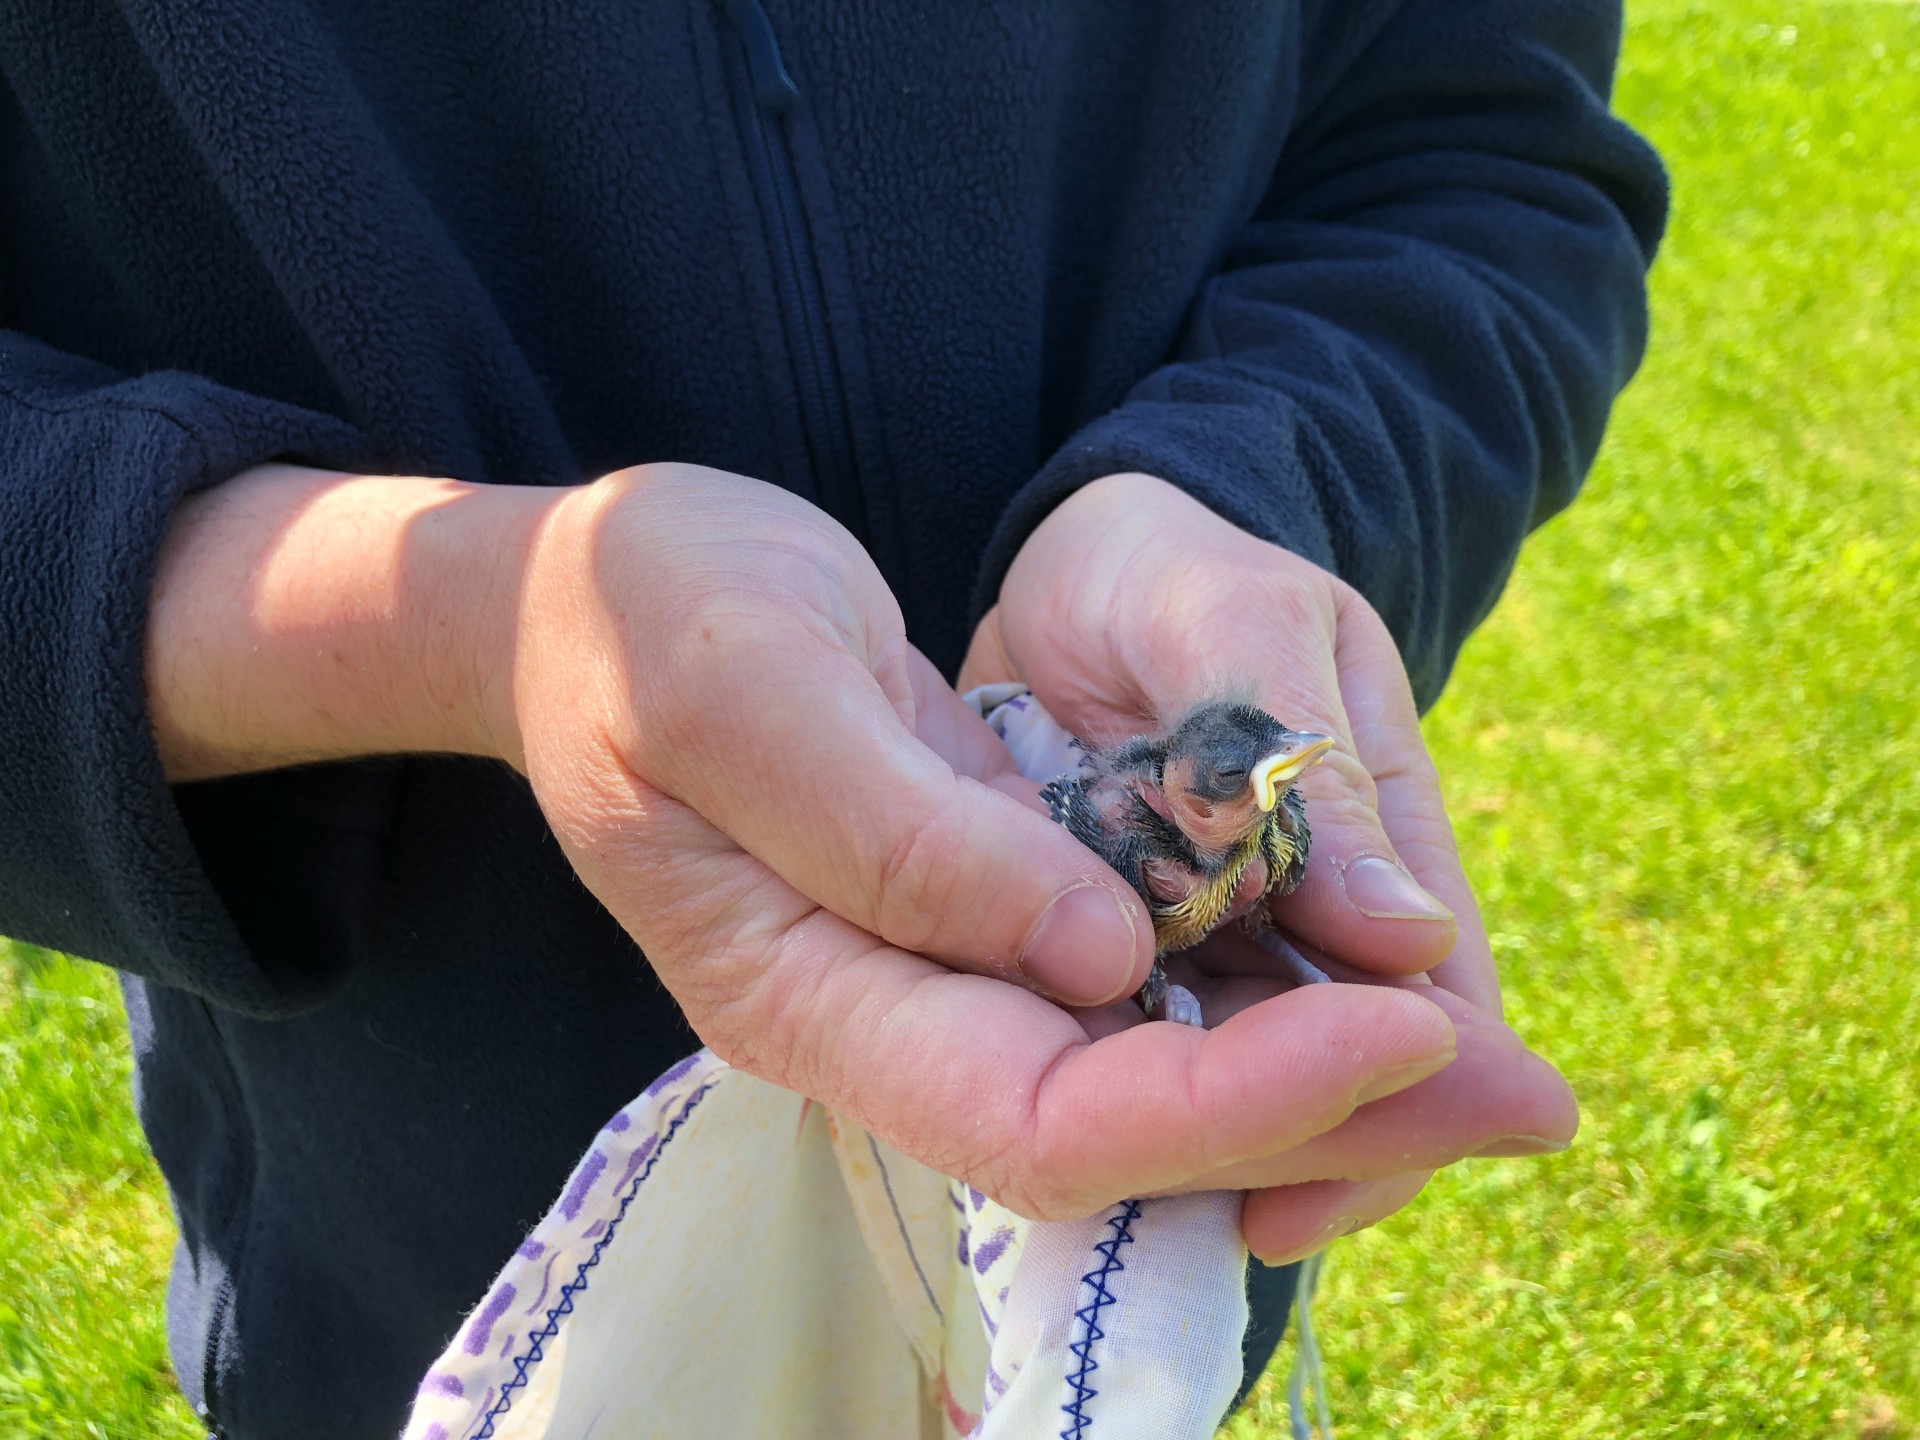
1182 1007
1161 999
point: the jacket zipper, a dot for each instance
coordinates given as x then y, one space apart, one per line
210 1370
824 416
226 1292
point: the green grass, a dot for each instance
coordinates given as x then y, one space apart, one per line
1682 757
1683 761
85 1232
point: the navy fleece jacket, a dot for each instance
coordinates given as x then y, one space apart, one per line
1362 275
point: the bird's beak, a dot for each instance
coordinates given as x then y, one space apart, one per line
1273 774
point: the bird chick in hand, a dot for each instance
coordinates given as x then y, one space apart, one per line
1204 823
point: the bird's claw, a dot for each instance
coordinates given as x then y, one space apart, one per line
1152 995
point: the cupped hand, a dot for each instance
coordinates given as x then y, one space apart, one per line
828 860
1130 603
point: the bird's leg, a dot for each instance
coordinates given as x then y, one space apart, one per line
1296 967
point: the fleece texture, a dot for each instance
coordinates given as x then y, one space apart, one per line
1362 275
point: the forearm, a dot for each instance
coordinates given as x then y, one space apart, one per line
303 615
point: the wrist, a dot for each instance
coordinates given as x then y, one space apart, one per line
303 615
462 621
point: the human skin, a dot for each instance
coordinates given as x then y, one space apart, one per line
1133 600
826 857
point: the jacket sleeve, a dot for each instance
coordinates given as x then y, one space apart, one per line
94 856
1406 361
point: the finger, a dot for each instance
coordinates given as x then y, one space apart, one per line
954 731
822 777
987 662
979 1079
1314 656
1290 1222
1361 899
1229 973
1232 614
1497 1098
1497 1095
1386 737
1152 1108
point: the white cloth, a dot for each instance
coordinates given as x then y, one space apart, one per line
1125 1324
729 1259
1128 1323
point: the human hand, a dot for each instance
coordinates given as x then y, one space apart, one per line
711 691
1130 602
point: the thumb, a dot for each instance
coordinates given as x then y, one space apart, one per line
1375 810
987 662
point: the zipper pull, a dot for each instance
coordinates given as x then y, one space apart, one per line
773 88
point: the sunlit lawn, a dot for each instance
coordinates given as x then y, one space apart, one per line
1685 763
84 1229
1682 757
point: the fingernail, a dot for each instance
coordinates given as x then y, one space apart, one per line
1381 889
1345 1225
1392 1082
1081 950
1510 1146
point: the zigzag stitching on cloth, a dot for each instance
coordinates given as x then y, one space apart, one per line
523 1365
1096 1280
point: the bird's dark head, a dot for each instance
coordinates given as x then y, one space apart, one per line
1228 765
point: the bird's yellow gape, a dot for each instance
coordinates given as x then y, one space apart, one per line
1272 775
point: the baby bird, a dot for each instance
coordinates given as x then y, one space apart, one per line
1204 823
